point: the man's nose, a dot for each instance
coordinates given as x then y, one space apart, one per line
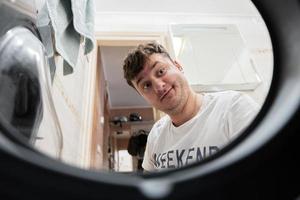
159 86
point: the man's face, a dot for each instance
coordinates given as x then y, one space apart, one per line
162 84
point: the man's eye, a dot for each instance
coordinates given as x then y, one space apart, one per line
161 71
146 86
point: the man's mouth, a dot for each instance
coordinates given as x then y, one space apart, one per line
165 94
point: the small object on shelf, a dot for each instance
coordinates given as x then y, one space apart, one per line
119 132
135 117
118 120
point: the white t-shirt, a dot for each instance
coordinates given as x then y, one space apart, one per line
221 117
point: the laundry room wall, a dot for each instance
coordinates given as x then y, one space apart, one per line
72 97
39 4
70 94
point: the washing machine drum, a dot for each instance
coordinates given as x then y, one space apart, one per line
23 83
255 166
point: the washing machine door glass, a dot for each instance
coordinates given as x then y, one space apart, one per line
27 113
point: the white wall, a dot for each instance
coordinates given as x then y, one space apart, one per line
39 4
67 94
71 101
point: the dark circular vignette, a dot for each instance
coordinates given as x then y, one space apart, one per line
271 173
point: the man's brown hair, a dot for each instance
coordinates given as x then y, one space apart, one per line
137 58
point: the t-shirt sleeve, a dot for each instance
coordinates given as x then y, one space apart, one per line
242 111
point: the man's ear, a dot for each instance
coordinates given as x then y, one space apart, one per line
178 65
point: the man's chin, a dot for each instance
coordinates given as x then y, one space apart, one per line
170 109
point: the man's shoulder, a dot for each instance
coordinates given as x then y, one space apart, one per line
227 93
235 96
236 99
159 125
162 122
224 96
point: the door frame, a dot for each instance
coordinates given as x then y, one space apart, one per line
88 150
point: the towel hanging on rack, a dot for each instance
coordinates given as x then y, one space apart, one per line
72 22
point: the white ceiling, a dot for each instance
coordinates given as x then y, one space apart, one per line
235 7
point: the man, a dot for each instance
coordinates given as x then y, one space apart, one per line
196 125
